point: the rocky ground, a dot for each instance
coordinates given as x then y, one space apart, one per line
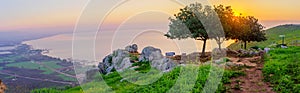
252 81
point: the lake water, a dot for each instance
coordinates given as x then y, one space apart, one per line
107 41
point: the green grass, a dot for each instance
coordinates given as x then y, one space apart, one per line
33 65
30 65
163 84
52 64
282 69
292 33
9 59
66 78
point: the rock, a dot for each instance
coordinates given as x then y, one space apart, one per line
105 65
219 61
125 63
230 64
250 64
230 52
146 52
121 60
155 55
218 53
253 59
170 54
156 59
102 68
132 48
2 87
239 64
165 64
193 57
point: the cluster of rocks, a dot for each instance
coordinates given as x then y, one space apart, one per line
245 53
235 62
120 59
248 62
240 58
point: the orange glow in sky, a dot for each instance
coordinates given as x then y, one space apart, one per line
55 13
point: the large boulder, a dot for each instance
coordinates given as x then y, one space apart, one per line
119 61
106 65
154 52
164 64
157 60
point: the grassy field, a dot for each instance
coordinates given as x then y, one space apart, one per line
31 65
282 68
292 33
164 84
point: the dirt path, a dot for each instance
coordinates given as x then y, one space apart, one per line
252 82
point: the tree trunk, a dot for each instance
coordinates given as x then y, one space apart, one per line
220 47
245 44
203 48
219 43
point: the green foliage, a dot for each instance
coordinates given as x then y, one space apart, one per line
133 57
282 68
143 67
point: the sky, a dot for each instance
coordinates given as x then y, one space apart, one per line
62 15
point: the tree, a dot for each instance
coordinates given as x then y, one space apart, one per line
226 17
187 25
248 29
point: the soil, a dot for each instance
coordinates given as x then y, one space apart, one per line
251 82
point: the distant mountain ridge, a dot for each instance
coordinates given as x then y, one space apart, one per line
291 32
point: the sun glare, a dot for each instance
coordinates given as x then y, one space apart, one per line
237 13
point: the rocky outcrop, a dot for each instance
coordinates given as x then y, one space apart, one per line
120 59
2 87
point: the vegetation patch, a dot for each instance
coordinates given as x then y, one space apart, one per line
164 84
282 69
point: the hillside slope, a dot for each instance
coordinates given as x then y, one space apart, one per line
291 31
